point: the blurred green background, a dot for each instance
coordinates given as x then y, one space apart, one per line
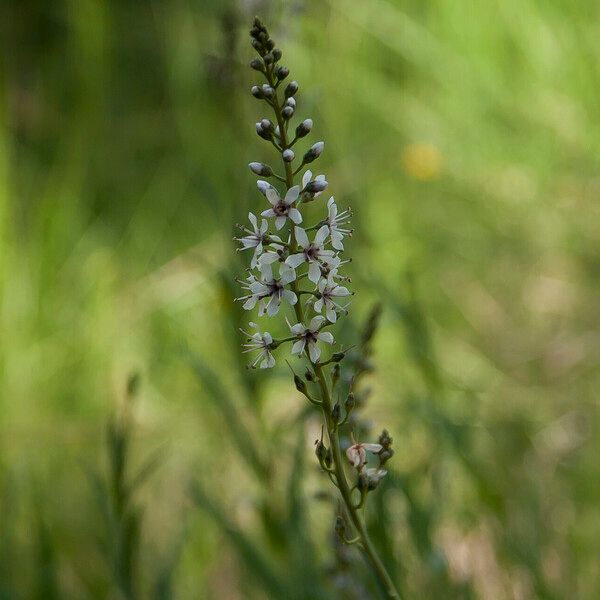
138 458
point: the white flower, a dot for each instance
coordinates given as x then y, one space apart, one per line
312 253
329 289
357 453
268 291
282 208
308 337
256 238
262 342
306 179
335 222
330 267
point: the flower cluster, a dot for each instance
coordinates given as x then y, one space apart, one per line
292 263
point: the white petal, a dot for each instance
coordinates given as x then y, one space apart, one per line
263 227
268 213
331 314
272 195
372 447
268 338
292 194
266 258
273 306
306 178
314 272
325 336
286 275
295 260
290 296
297 329
322 285
339 290
250 303
318 306
316 322
321 235
336 241
280 222
268 362
332 208
298 347
301 237
295 215
252 219
314 351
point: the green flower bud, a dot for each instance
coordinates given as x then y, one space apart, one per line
291 88
277 54
304 128
261 169
282 73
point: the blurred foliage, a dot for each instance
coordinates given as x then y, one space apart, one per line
465 136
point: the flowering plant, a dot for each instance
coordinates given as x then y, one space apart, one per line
300 265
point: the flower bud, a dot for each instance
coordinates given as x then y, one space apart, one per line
291 102
277 54
384 439
260 130
336 412
291 88
257 45
385 455
256 64
267 125
308 375
267 90
314 152
288 155
261 169
304 128
268 58
257 92
282 73
270 44
320 451
316 187
299 383
287 112
350 402
263 186
335 375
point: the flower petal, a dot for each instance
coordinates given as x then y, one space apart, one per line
301 237
306 178
314 272
314 351
295 260
272 195
295 215
372 447
292 194
280 222
316 322
321 235
325 336
298 347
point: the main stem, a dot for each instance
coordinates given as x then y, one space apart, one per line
327 405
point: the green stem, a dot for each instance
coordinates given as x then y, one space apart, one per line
334 440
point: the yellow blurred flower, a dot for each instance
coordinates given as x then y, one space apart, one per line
421 161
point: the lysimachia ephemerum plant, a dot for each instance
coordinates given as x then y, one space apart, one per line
297 267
